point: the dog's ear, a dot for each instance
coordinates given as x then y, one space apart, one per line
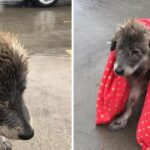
149 43
148 37
113 44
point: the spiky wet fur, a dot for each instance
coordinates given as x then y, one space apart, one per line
14 115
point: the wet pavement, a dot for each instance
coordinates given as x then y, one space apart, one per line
41 30
95 21
46 33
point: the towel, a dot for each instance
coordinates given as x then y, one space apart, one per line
113 94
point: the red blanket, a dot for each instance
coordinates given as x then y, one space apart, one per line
113 95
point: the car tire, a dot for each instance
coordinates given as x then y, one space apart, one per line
45 3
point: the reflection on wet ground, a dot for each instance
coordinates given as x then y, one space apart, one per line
42 30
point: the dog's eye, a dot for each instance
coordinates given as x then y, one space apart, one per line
22 88
134 53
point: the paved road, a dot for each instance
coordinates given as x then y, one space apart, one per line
95 21
46 33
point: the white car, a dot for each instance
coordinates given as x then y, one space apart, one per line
41 3
44 3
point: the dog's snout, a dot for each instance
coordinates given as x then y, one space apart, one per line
27 135
119 71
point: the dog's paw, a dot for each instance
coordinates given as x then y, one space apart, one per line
117 124
7 145
4 144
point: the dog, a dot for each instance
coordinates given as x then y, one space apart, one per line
14 116
132 44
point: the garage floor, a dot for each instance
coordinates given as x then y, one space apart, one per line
46 33
95 21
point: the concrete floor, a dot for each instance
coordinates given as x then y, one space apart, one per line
46 33
95 21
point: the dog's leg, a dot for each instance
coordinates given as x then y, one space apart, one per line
4 144
122 121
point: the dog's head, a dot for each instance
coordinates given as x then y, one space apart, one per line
14 115
132 44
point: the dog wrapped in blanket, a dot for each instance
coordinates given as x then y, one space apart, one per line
126 78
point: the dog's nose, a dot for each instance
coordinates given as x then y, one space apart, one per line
119 71
27 135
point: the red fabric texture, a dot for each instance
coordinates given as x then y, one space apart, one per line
113 93
112 97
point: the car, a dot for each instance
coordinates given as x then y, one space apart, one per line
44 3
40 3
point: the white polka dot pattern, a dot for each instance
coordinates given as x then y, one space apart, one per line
112 95
143 129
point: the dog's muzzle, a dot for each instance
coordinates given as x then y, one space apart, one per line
119 71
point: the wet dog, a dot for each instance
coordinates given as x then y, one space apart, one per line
132 44
14 115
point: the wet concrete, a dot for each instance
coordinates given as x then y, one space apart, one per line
41 30
46 33
95 21
48 97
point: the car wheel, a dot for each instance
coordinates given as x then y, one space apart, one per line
45 3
